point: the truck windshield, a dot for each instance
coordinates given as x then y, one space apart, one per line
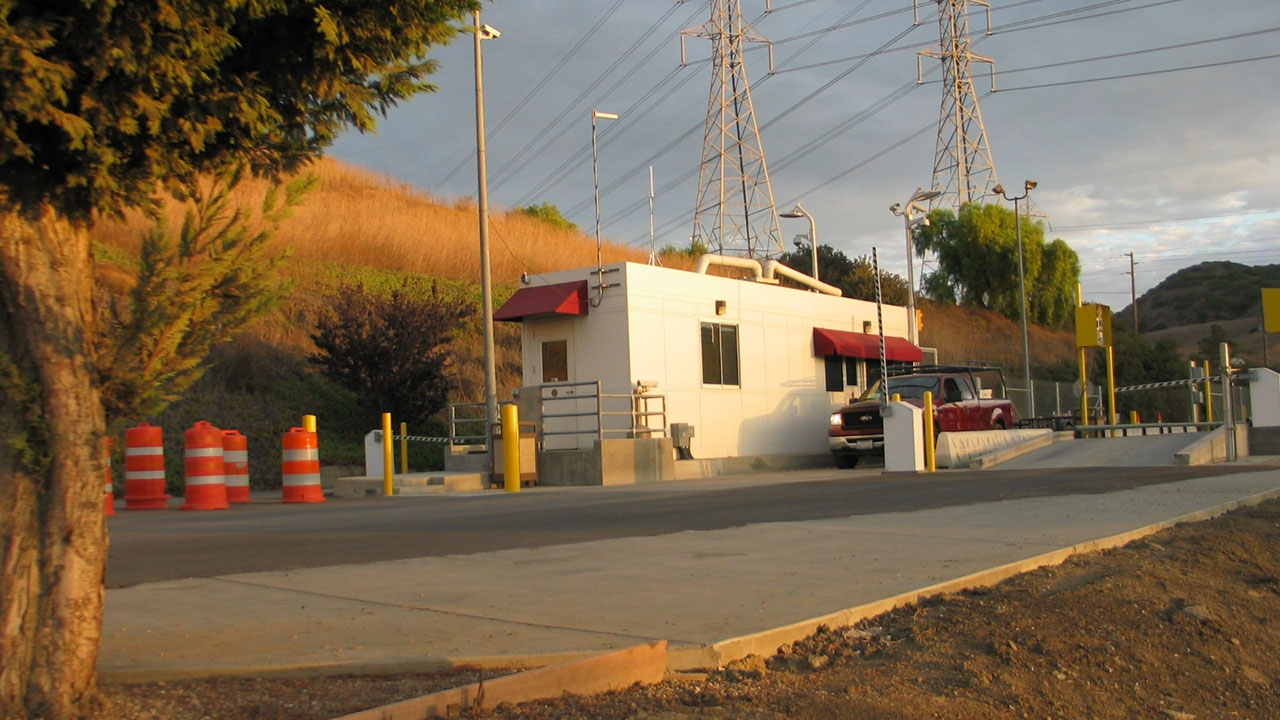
907 387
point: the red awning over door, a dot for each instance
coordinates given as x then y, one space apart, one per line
560 299
863 345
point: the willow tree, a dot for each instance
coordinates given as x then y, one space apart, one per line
977 263
104 103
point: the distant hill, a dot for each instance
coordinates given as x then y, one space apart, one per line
1210 292
1187 304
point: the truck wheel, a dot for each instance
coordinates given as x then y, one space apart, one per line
845 461
999 424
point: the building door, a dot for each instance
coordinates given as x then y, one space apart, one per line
555 361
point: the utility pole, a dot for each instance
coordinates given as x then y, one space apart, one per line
962 167
484 32
1133 291
735 212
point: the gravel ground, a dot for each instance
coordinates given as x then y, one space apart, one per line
1184 624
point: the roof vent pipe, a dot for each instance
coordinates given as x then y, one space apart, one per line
708 260
773 267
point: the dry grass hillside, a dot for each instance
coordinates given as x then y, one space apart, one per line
962 334
355 217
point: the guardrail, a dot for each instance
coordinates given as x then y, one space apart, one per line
1163 428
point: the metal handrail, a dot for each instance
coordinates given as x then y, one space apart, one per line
1161 428
574 395
592 392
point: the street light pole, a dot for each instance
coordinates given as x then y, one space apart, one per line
800 212
911 220
484 32
1027 187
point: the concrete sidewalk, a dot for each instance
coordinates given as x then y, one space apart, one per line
531 607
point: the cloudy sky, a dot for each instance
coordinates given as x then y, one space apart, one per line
1151 126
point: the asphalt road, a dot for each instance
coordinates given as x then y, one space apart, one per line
263 536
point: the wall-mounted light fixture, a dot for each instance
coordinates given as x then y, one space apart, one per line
721 306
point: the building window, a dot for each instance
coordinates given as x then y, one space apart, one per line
841 372
719 354
555 361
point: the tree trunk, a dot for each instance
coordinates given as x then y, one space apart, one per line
53 542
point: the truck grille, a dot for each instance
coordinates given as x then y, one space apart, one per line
858 419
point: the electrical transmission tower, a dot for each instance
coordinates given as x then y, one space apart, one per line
735 213
962 167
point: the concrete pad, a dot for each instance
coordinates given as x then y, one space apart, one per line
410 484
525 607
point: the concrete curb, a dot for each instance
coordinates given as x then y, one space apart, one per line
693 657
991 459
389 666
646 664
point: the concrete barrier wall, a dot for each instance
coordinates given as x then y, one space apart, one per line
1212 447
956 449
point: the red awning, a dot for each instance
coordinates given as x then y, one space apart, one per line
560 299
863 345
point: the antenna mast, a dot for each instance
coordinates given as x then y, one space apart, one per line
735 212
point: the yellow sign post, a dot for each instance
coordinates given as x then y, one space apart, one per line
1093 329
1271 310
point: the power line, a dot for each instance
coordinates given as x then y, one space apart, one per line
608 189
502 173
1127 224
533 92
1141 74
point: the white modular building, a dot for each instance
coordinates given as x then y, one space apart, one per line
755 368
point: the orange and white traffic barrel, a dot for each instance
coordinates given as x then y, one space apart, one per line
144 468
206 486
235 465
300 466
110 487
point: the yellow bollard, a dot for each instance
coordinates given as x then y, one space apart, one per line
1134 418
388 459
511 448
896 397
309 423
1208 392
930 452
1111 388
404 449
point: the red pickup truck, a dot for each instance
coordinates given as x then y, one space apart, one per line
959 400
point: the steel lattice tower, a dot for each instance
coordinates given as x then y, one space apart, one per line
735 212
962 167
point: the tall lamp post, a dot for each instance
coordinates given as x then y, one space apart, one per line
595 172
913 215
485 32
1027 187
800 212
